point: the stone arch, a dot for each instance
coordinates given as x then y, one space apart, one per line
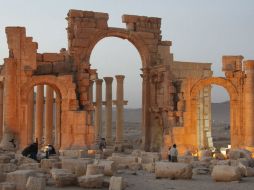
39 80
132 37
235 129
220 81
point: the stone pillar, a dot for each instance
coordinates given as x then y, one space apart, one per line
58 122
49 115
98 110
91 113
119 102
1 109
30 116
108 103
10 115
249 103
39 113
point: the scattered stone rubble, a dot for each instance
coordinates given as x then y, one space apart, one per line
21 173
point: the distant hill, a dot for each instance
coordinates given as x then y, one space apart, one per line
220 113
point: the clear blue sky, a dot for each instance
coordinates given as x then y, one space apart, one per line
201 30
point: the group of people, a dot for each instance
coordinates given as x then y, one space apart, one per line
172 153
32 151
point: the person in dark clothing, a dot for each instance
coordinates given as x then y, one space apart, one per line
169 155
31 151
50 150
102 144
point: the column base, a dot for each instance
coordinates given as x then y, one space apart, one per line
8 142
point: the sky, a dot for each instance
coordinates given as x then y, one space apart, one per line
200 31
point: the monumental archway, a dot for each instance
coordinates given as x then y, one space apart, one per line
235 129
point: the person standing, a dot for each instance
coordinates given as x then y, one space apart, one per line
174 153
169 155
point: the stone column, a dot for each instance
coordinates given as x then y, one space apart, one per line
108 103
98 110
10 114
30 116
39 113
91 113
58 122
249 103
119 102
49 115
1 109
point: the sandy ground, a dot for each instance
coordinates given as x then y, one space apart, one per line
147 181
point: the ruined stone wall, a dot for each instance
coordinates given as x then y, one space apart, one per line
184 76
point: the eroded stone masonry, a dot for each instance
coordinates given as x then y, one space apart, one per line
38 89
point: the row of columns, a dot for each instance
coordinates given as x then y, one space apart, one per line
119 102
38 115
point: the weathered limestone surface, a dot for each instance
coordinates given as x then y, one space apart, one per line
109 166
226 173
35 183
20 178
173 170
93 169
91 181
63 177
116 183
76 166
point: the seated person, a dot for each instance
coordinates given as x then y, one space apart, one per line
31 151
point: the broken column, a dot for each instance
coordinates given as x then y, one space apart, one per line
98 109
49 115
119 102
108 104
249 103
30 116
39 113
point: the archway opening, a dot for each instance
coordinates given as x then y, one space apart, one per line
220 117
213 117
113 56
44 115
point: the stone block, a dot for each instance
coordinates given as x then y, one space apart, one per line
4 159
10 167
63 177
53 57
7 186
36 183
20 178
93 169
226 173
29 166
76 166
91 181
173 170
116 183
149 167
48 163
109 166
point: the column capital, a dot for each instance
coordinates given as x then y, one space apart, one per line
120 77
108 79
98 81
91 82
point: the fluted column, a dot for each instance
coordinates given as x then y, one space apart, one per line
30 116
39 113
119 102
58 122
249 103
1 109
49 115
98 110
108 103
